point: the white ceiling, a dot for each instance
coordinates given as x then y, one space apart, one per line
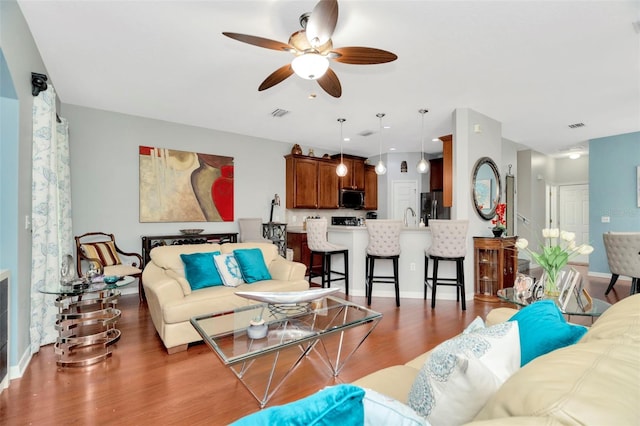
535 66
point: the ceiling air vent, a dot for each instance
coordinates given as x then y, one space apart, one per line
576 125
366 133
279 112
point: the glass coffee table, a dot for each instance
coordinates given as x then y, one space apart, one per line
593 309
329 330
86 320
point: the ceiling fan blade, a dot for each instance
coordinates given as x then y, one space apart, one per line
363 55
322 22
276 77
330 83
259 41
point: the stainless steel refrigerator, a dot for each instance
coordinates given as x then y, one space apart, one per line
432 207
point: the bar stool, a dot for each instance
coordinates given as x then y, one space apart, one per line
318 245
449 243
384 243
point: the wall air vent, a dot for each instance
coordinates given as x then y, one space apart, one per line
279 112
576 125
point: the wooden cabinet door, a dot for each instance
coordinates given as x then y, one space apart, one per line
357 176
436 177
370 188
302 183
328 194
354 179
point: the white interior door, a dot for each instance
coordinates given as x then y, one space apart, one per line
574 214
404 194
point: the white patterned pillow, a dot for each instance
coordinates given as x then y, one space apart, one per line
228 269
381 409
462 373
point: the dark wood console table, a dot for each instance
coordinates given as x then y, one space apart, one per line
149 242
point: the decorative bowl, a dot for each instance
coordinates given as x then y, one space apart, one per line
111 279
191 231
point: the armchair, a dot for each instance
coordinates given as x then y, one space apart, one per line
623 255
101 248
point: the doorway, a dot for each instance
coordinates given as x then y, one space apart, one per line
404 194
573 206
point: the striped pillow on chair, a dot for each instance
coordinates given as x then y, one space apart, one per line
104 251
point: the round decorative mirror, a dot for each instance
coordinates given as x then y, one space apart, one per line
485 187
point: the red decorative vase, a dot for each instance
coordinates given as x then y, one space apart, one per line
222 193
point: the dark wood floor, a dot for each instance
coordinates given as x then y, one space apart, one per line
141 384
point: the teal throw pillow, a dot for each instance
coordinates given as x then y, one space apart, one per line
200 270
543 329
252 266
334 405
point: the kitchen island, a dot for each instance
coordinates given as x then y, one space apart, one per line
413 242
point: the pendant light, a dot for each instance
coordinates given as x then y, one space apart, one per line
380 167
341 170
423 165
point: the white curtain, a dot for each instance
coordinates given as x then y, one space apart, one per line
50 213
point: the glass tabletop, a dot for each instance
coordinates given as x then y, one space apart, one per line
80 286
594 308
288 325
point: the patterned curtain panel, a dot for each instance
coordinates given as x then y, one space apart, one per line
50 213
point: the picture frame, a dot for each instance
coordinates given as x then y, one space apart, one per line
569 288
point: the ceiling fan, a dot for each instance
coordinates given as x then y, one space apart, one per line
313 48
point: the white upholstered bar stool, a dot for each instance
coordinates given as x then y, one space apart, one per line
318 245
449 243
623 256
384 243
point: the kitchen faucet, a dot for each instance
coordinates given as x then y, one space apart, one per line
407 210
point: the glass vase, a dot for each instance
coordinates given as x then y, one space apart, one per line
552 284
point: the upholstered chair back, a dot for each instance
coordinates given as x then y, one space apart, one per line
384 237
251 230
317 235
623 253
449 238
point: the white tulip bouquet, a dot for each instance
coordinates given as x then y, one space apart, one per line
556 250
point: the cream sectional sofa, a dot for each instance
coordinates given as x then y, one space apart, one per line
593 382
172 303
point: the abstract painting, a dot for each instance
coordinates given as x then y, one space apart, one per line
182 186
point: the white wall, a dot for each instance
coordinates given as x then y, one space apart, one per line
104 172
468 147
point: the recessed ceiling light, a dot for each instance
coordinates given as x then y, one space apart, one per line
574 156
346 139
386 127
436 140
392 149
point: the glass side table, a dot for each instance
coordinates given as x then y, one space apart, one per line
573 307
86 320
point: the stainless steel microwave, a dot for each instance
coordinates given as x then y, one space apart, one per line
352 199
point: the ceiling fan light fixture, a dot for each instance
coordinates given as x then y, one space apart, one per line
310 66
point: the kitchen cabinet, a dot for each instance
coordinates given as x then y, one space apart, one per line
311 183
435 174
370 188
447 170
354 179
496 265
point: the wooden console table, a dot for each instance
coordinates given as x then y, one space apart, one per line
149 242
